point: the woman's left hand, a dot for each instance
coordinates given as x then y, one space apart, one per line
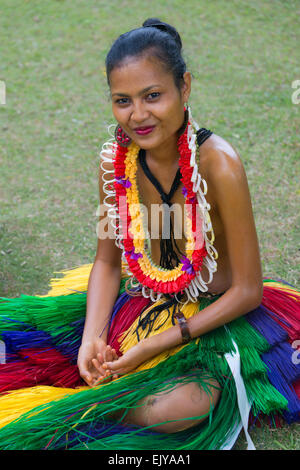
131 359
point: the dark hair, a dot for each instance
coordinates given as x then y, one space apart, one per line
156 37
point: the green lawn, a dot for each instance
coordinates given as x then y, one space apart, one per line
243 56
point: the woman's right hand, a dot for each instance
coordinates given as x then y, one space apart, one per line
92 354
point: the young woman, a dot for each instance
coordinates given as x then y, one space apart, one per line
182 336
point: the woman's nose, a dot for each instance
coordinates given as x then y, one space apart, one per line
139 113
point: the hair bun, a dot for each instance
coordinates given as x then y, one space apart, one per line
156 23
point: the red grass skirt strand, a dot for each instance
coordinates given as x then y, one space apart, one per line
38 366
124 318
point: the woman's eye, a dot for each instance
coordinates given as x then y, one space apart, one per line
153 95
122 101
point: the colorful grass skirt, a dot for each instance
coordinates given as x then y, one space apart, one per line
44 403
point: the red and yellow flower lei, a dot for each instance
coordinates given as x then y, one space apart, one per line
139 262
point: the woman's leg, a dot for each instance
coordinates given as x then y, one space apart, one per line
183 401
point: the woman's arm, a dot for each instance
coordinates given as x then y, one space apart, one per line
229 186
103 289
228 183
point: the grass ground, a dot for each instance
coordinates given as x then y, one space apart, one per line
243 56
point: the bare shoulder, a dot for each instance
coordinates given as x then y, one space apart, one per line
220 161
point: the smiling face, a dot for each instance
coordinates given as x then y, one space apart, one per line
146 102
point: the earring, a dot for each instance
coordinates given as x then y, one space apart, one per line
182 129
121 137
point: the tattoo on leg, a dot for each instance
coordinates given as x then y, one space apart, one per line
196 396
151 401
148 405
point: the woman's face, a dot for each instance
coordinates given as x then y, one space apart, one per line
146 102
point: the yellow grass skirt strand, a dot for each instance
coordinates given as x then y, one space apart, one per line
162 323
73 280
18 402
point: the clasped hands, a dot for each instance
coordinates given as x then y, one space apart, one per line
99 363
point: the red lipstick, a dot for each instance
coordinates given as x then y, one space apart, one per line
144 130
